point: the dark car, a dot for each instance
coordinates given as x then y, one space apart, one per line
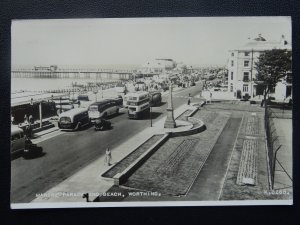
102 124
31 150
83 98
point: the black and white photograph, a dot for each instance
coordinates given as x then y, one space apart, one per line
161 111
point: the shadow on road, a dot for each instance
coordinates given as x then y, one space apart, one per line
16 155
154 115
159 105
115 115
39 155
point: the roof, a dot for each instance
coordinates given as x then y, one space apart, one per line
154 92
101 101
261 44
73 111
137 93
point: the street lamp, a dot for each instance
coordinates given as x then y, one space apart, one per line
151 101
60 105
31 103
170 121
95 92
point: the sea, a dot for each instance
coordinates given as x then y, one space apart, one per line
45 84
48 84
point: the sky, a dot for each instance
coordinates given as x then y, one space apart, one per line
193 41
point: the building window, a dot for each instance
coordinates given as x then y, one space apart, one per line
231 75
247 53
246 77
245 88
246 63
232 54
232 62
289 78
231 87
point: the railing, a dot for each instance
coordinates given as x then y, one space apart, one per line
273 144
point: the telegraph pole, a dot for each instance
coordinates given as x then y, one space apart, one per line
251 84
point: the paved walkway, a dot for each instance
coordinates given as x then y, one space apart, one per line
218 177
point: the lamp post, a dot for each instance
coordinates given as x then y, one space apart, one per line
251 79
60 109
170 121
95 92
41 116
151 101
31 106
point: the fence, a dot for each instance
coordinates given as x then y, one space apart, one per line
273 143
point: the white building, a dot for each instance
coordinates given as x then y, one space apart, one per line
158 66
242 73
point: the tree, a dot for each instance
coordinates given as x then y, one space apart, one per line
272 65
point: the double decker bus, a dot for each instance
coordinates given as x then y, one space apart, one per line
138 104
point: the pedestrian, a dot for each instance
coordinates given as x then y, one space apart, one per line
189 99
31 119
210 95
12 119
25 119
108 156
28 131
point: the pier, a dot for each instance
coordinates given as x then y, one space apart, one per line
55 72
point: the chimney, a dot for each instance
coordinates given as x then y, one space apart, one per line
283 41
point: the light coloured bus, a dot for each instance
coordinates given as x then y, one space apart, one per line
102 109
73 119
138 104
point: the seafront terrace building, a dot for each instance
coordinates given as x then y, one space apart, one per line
242 72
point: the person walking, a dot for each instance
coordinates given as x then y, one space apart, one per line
31 121
108 156
25 119
12 119
189 99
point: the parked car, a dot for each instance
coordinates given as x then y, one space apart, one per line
102 124
31 150
83 98
17 140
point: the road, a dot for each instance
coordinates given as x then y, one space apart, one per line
68 152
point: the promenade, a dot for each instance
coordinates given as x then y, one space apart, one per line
227 161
